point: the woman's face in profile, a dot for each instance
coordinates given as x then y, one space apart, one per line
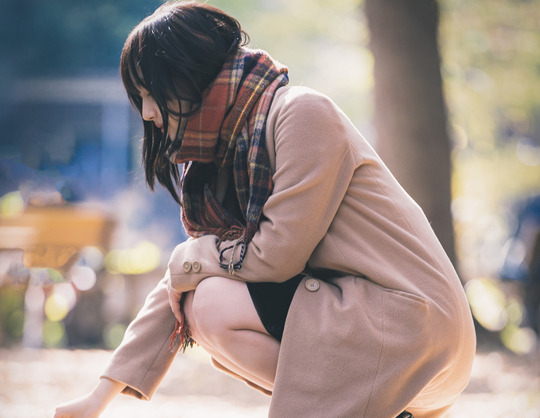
150 112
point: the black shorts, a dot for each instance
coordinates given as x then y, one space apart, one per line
272 301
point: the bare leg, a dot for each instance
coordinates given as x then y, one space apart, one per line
212 350
221 314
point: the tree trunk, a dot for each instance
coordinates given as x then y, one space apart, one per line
410 114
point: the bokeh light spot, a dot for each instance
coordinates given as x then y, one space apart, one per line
83 277
519 340
11 205
487 303
54 334
113 335
66 291
93 257
515 311
144 258
528 152
111 261
56 307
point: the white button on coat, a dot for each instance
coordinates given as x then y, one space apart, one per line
196 266
312 285
186 266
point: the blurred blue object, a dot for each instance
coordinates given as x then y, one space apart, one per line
13 174
522 259
519 248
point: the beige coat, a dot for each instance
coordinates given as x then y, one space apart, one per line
392 331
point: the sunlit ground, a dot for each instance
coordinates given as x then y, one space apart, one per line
32 382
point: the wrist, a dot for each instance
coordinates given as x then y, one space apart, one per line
105 391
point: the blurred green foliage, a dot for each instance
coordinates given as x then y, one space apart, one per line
54 334
11 313
325 45
491 68
491 71
323 42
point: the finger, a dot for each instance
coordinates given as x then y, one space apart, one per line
175 306
173 292
177 313
174 302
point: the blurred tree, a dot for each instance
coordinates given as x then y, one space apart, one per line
410 115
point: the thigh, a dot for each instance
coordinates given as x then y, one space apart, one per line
226 365
222 304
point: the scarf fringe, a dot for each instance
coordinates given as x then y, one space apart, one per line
181 332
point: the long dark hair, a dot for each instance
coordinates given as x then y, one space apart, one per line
175 54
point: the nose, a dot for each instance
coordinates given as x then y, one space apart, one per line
150 109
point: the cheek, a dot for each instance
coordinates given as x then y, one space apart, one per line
173 127
173 122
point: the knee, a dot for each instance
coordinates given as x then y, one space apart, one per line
208 305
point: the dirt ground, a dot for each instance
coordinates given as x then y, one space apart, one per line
32 382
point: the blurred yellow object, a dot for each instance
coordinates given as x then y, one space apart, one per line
53 236
145 257
52 256
11 205
519 340
56 307
495 312
487 303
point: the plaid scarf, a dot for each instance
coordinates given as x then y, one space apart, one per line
229 131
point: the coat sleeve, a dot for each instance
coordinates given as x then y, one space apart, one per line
143 357
313 168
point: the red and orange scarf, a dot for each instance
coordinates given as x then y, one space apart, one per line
229 131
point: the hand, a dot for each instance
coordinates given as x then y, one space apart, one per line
174 301
92 404
83 407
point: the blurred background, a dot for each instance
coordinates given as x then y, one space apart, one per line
83 240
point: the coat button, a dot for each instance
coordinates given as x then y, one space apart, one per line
186 266
196 266
312 285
